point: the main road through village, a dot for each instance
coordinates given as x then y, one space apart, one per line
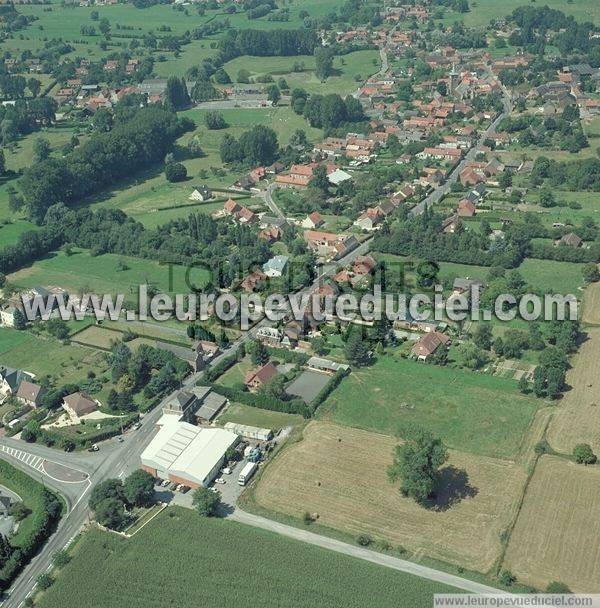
73 474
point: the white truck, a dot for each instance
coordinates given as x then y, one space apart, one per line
247 472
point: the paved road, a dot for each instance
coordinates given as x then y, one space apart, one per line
361 553
443 189
270 202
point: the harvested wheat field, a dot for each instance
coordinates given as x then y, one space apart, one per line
339 473
591 304
577 418
557 533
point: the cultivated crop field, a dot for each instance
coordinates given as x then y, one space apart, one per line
591 304
577 419
340 474
557 531
180 559
472 412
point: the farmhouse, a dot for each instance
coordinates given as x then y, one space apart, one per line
312 220
571 240
466 208
428 345
183 453
201 193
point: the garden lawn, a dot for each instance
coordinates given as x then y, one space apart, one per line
181 559
254 416
468 411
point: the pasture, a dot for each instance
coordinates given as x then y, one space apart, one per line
576 419
349 71
153 201
182 559
106 274
472 412
340 474
10 232
556 534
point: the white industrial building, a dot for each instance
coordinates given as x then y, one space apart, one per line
253 432
187 454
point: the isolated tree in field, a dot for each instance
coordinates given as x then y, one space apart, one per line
583 454
110 513
206 501
176 93
214 120
175 172
273 94
41 149
417 463
138 488
482 336
34 86
355 348
323 62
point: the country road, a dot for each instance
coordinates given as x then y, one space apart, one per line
380 559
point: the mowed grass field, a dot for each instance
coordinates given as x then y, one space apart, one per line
181 559
472 412
48 357
102 274
254 416
340 474
350 70
558 529
577 418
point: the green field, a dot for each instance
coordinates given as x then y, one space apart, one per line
150 199
101 274
483 11
469 411
180 559
48 357
10 233
347 69
254 416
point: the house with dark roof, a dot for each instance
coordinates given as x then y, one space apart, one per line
428 344
571 240
79 404
10 380
259 377
30 394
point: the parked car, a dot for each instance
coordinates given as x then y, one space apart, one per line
214 490
165 483
227 470
94 448
136 426
172 486
120 439
220 480
184 489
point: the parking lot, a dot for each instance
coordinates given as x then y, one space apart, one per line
308 385
230 491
